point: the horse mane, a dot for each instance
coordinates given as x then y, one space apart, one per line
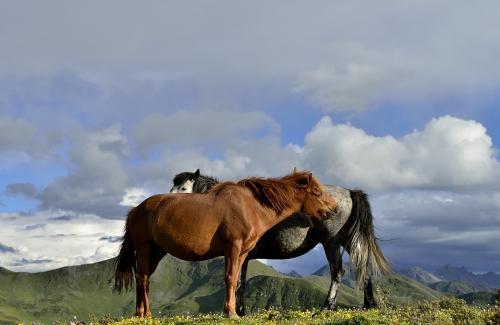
274 193
204 183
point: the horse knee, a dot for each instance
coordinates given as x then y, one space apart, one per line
230 279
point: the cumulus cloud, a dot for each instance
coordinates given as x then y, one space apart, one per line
134 196
447 153
97 178
258 157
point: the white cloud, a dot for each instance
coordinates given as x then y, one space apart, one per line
447 153
134 196
70 239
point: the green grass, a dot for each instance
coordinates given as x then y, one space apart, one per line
440 312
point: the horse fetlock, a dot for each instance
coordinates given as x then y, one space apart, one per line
330 304
240 309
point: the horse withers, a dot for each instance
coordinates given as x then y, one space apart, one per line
350 227
226 221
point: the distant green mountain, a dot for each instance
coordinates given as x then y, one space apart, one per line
177 287
420 275
452 273
457 287
293 274
414 283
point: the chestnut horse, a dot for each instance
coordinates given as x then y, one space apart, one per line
226 221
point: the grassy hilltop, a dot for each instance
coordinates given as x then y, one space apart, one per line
443 312
177 288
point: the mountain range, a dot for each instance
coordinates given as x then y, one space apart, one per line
179 287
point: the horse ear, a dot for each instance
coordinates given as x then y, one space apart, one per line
305 180
295 170
195 175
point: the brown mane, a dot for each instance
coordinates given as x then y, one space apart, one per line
275 193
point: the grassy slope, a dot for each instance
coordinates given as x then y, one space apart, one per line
482 298
177 287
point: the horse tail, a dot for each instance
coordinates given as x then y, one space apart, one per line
126 261
360 241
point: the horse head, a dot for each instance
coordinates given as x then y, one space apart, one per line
317 202
184 182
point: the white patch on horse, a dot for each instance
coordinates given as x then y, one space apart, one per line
186 187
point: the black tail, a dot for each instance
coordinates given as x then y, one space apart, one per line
126 261
360 241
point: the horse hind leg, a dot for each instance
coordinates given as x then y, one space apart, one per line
142 281
369 299
332 251
240 292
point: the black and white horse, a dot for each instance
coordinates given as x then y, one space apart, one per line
350 227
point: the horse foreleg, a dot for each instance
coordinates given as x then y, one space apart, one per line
233 262
332 251
142 282
240 293
369 299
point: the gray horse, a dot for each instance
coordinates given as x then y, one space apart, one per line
350 227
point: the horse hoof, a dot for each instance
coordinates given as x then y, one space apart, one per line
330 307
233 316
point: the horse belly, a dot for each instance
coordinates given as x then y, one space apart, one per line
284 243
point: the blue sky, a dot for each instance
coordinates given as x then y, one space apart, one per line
101 107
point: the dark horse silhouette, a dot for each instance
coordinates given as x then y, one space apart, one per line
226 221
351 227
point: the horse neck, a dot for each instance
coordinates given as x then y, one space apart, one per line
272 218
